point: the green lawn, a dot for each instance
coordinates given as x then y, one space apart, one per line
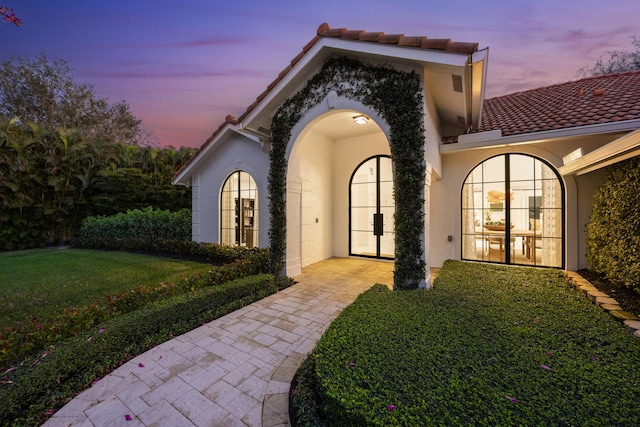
39 283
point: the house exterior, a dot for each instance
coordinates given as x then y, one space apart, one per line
383 146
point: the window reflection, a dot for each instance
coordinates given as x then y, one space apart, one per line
512 212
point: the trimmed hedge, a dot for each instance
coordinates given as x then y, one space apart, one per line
147 223
40 386
17 343
204 252
489 345
613 233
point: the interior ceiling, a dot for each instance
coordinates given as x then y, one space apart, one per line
338 125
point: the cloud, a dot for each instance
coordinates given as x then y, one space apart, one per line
207 41
162 73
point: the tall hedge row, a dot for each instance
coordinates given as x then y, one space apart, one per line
613 234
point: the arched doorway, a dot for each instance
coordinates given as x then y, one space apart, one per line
371 209
513 212
328 147
239 210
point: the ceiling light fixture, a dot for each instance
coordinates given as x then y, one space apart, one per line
361 119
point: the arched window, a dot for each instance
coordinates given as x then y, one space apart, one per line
513 212
239 210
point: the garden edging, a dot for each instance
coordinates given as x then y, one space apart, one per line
604 301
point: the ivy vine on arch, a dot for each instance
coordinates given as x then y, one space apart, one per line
397 97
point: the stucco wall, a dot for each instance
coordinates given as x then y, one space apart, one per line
446 196
235 152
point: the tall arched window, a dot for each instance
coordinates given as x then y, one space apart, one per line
513 212
239 210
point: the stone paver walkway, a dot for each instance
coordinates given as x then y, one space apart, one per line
233 371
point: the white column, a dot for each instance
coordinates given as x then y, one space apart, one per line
195 208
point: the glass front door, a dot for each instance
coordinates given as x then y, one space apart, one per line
372 228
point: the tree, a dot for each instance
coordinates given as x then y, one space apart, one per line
616 61
43 92
51 179
7 15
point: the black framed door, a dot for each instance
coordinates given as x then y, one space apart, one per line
371 209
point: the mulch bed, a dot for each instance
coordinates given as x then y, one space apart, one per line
627 298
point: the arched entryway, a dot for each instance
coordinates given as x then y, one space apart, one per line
513 212
371 209
239 210
327 150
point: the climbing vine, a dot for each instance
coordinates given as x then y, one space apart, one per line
397 97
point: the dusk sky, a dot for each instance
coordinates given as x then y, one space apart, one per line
182 66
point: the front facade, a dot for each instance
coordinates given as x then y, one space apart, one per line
355 178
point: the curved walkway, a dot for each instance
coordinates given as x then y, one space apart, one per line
233 371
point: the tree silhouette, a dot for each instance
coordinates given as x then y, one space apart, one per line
615 61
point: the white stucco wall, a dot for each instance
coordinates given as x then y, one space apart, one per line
232 153
446 197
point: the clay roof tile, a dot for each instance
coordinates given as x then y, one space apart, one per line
352 34
440 44
415 41
324 30
593 100
390 38
370 36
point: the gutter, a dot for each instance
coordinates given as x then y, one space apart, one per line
621 149
494 138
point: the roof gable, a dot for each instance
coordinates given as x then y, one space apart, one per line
421 45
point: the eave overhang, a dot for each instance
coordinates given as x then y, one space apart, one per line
618 150
494 138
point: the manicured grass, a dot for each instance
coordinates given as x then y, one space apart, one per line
488 345
40 283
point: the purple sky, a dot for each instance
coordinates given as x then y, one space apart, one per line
182 66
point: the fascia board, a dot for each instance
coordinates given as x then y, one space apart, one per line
396 52
622 148
479 61
182 177
536 137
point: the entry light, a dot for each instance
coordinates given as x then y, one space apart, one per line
361 119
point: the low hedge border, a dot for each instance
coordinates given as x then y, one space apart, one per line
17 343
45 383
212 253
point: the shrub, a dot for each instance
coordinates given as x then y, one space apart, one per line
488 345
304 400
613 233
147 224
45 383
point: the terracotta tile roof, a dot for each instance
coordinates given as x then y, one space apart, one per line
594 100
324 30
